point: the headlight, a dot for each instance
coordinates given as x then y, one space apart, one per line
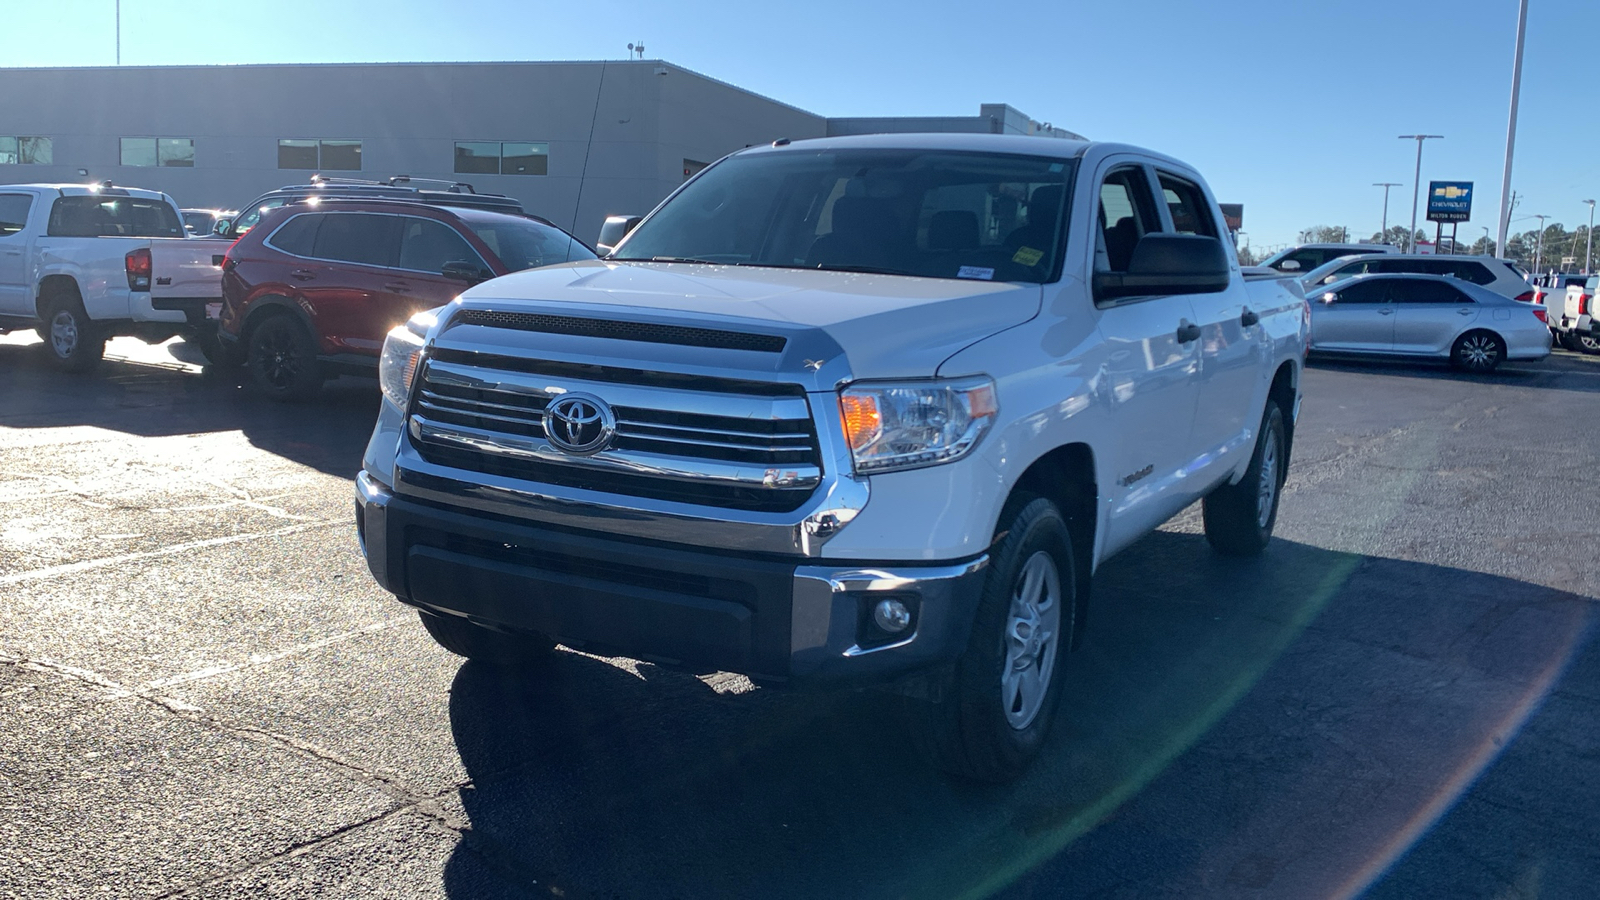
914 424
397 365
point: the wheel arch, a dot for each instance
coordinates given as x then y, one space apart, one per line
53 286
1066 476
273 305
1284 389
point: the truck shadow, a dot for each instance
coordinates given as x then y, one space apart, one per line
163 391
1320 700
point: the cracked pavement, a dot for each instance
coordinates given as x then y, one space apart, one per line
203 694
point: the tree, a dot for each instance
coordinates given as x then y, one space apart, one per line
1325 234
1396 235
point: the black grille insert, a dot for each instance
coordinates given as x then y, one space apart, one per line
644 332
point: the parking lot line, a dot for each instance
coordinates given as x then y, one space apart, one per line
76 567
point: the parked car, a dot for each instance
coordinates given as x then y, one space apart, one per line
1306 257
400 187
312 290
81 263
1427 316
1498 275
849 411
1550 290
1574 321
203 222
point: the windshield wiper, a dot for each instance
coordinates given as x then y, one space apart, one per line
669 259
869 270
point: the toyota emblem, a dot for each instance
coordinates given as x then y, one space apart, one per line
579 423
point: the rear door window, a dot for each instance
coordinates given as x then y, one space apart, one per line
362 238
97 215
14 212
1191 214
1419 290
426 245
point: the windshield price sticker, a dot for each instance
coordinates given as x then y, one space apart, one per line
978 272
1028 256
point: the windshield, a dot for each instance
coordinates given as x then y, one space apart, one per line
526 244
935 214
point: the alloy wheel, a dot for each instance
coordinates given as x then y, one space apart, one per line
278 361
1031 641
1479 351
1267 485
63 334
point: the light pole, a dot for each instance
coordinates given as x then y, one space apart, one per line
119 32
1384 233
1588 251
1488 248
1538 252
1416 184
1511 126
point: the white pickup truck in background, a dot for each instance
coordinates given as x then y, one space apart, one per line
82 263
845 412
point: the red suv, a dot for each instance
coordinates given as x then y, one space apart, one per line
313 289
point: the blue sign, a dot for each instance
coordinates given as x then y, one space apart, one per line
1449 201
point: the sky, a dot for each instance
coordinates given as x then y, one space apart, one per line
1291 107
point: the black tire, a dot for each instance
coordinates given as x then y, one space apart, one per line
479 644
1569 340
72 342
282 357
219 353
1478 351
1588 343
1239 517
980 728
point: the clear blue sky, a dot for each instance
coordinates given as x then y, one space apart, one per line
1288 106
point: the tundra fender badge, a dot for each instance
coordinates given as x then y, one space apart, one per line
1128 480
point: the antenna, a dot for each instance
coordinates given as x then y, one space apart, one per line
637 48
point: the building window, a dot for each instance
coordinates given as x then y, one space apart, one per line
502 158
25 151
175 152
327 155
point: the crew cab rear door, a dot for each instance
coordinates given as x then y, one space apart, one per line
1234 352
16 296
1150 367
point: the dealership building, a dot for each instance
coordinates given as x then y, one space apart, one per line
574 141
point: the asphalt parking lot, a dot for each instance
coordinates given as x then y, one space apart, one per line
202 693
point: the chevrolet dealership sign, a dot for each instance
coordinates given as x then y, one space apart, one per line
1449 201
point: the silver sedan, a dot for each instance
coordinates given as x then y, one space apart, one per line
1426 316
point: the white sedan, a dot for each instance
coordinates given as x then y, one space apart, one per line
1426 316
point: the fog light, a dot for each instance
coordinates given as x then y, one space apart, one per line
891 616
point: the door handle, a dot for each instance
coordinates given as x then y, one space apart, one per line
13 252
1188 331
1248 318
1463 312
399 288
1385 312
302 274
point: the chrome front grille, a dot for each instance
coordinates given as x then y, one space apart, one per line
754 450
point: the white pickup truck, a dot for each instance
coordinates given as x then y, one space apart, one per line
81 263
861 411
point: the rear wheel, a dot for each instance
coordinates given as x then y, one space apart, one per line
282 357
1478 351
1239 517
1588 343
479 644
1569 340
996 706
71 341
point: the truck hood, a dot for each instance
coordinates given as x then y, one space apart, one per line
889 326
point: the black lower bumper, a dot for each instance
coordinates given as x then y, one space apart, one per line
801 621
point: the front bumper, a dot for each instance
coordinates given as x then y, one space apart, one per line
803 621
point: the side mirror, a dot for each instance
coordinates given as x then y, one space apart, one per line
1289 265
462 270
1329 297
613 231
221 227
1168 264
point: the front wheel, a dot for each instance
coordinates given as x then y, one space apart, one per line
995 708
1239 517
1478 351
72 342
